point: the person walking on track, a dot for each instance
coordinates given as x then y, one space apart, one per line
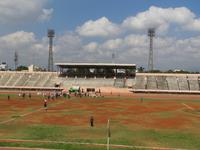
45 104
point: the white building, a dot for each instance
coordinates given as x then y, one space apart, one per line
3 66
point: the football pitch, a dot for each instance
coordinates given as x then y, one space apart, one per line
137 121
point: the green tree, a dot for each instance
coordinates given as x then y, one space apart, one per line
141 69
20 68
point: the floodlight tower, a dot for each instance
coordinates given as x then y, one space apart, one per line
113 57
51 34
151 34
16 60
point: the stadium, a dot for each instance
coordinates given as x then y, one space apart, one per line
98 106
129 109
108 77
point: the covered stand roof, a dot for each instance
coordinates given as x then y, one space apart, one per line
96 65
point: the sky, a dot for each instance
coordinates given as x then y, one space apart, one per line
91 30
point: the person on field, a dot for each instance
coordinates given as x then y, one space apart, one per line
8 97
99 92
19 94
91 121
45 104
29 95
141 99
64 95
68 95
23 95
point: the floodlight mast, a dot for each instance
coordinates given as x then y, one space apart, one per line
51 34
113 57
16 60
151 34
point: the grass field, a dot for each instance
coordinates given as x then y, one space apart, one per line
165 121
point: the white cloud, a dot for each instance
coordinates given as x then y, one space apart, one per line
68 47
91 47
169 52
129 47
193 25
46 14
20 11
112 44
99 28
162 18
18 38
30 49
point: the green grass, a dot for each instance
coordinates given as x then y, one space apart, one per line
119 135
51 146
133 134
169 138
164 114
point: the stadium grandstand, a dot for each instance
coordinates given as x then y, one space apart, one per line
167 83
19 80
100 75
97 74
71 74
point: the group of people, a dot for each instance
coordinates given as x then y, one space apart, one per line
23 95
52 96
87 93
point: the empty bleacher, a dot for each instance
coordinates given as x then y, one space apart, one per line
25 79
193 83
151 82
199 82
13 79
119 82
129 83
32 79
143 82
4 79
52 80
22 80
162 83
183 83
88 82
140 82
172 83
42 80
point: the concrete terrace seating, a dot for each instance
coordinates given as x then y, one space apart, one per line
88 82
193 83
52 80
32 79
162 83
151 82
183 83
119 83
143 81
199 82
68 82
129 83
140 82
25 79
43 78
14 78
22 80
4 79
172 83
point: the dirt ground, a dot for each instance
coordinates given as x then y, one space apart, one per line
145 110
